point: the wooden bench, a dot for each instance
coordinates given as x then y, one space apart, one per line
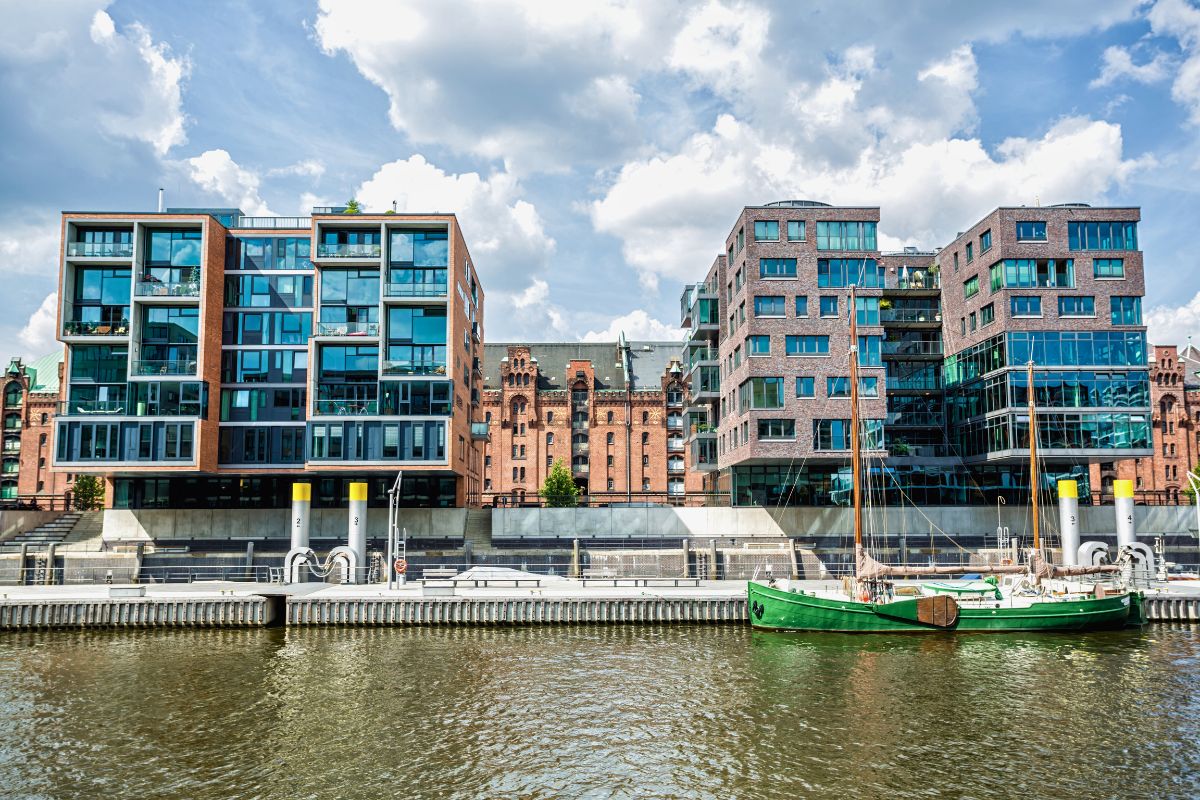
656 581
515 583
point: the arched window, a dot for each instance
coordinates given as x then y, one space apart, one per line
645 438
487 417
12 394
12 422
645 461
610 417
550 417
45 418
549 440
645 417
511 378
611 438
8 490
579 438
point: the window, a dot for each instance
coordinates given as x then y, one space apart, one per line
834 434
836 273
777 429
1126 310
956 261
837 387
970 252
971 320
846 236
1076 306
610 439
1108 268
739 279
868 387
1026 306
777 268
807 345
549 440
645 461
645 417
769 306
985 241
870 351
645 438
1102 235
801 306
766 231
609 417
987 314
971 286
868 310
829 306
795 230
741 239
761 393
1027 273
806 386
1031 231
758 345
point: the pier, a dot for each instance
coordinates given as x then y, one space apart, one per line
559 602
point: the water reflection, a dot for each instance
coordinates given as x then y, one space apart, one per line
616 711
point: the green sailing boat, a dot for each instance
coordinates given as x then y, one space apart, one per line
1036 597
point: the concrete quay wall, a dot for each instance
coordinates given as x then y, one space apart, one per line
233 524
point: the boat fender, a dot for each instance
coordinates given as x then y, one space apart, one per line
864 596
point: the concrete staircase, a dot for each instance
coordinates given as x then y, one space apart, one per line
44 535
478 530
80 530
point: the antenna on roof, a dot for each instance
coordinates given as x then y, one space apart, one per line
1037 201
393 205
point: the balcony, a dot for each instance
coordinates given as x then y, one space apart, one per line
14 446
909 316
434 289
85 408
702 357
675 445
915 348
112 324
189 288
349 250
916 280
479 431
345 408
411 367
347 329
579 448
99 249
675 466
579 469
674 421
151 368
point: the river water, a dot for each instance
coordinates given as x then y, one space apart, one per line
598 712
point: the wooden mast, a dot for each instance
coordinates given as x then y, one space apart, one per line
855 455
1033 470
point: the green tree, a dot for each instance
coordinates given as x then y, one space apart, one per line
353 207
88 492
1188 491
559 490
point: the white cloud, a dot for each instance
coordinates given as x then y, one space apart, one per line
636 325
1118 63
537 85
1174 324
672 212
215 171
38 335
721 46
308 167
29 248
1180 19
503 230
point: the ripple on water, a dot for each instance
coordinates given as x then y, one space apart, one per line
598 712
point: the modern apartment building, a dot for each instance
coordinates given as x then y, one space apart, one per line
612 411
213 358
943 339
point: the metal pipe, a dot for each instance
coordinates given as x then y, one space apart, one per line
160 200
1068 521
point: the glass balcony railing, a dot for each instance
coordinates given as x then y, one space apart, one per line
347 329
349 250
146 368
12 446
700 355
579 469
100 249
675 445
912 348
416 289
674 421
189 288
410 367
83 408
96 328
345 408
909 315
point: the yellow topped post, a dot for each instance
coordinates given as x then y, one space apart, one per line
1068 521
301 505
357 540
1123 501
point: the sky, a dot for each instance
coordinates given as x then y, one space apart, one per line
595 152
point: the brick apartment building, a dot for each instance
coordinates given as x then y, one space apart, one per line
29 404
212 358
944 338
613 412
1175 399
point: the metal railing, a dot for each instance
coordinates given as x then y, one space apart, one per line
909 315
926 280
273 223
345 408
912 348
607 499
79 408
167 288
415 289
37 502
149 367
409 367
349 250
347 329
675 445
100 249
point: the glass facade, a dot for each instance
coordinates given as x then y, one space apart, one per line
846 236
1102 235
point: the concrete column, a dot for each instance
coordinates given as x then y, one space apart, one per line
301 506
575 567
1123 494
684 548
712 560
357 539
1068 521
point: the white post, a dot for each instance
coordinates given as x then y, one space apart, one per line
301 506
1068 521
1123 497
356 540
160 201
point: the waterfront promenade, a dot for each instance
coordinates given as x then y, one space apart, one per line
465 600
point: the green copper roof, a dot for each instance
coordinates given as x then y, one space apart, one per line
43 373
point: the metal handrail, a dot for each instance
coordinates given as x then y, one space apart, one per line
167 288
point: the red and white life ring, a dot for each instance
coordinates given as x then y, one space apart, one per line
401 566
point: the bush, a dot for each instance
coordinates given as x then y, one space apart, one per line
559 490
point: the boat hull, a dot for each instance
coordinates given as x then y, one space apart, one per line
775 609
